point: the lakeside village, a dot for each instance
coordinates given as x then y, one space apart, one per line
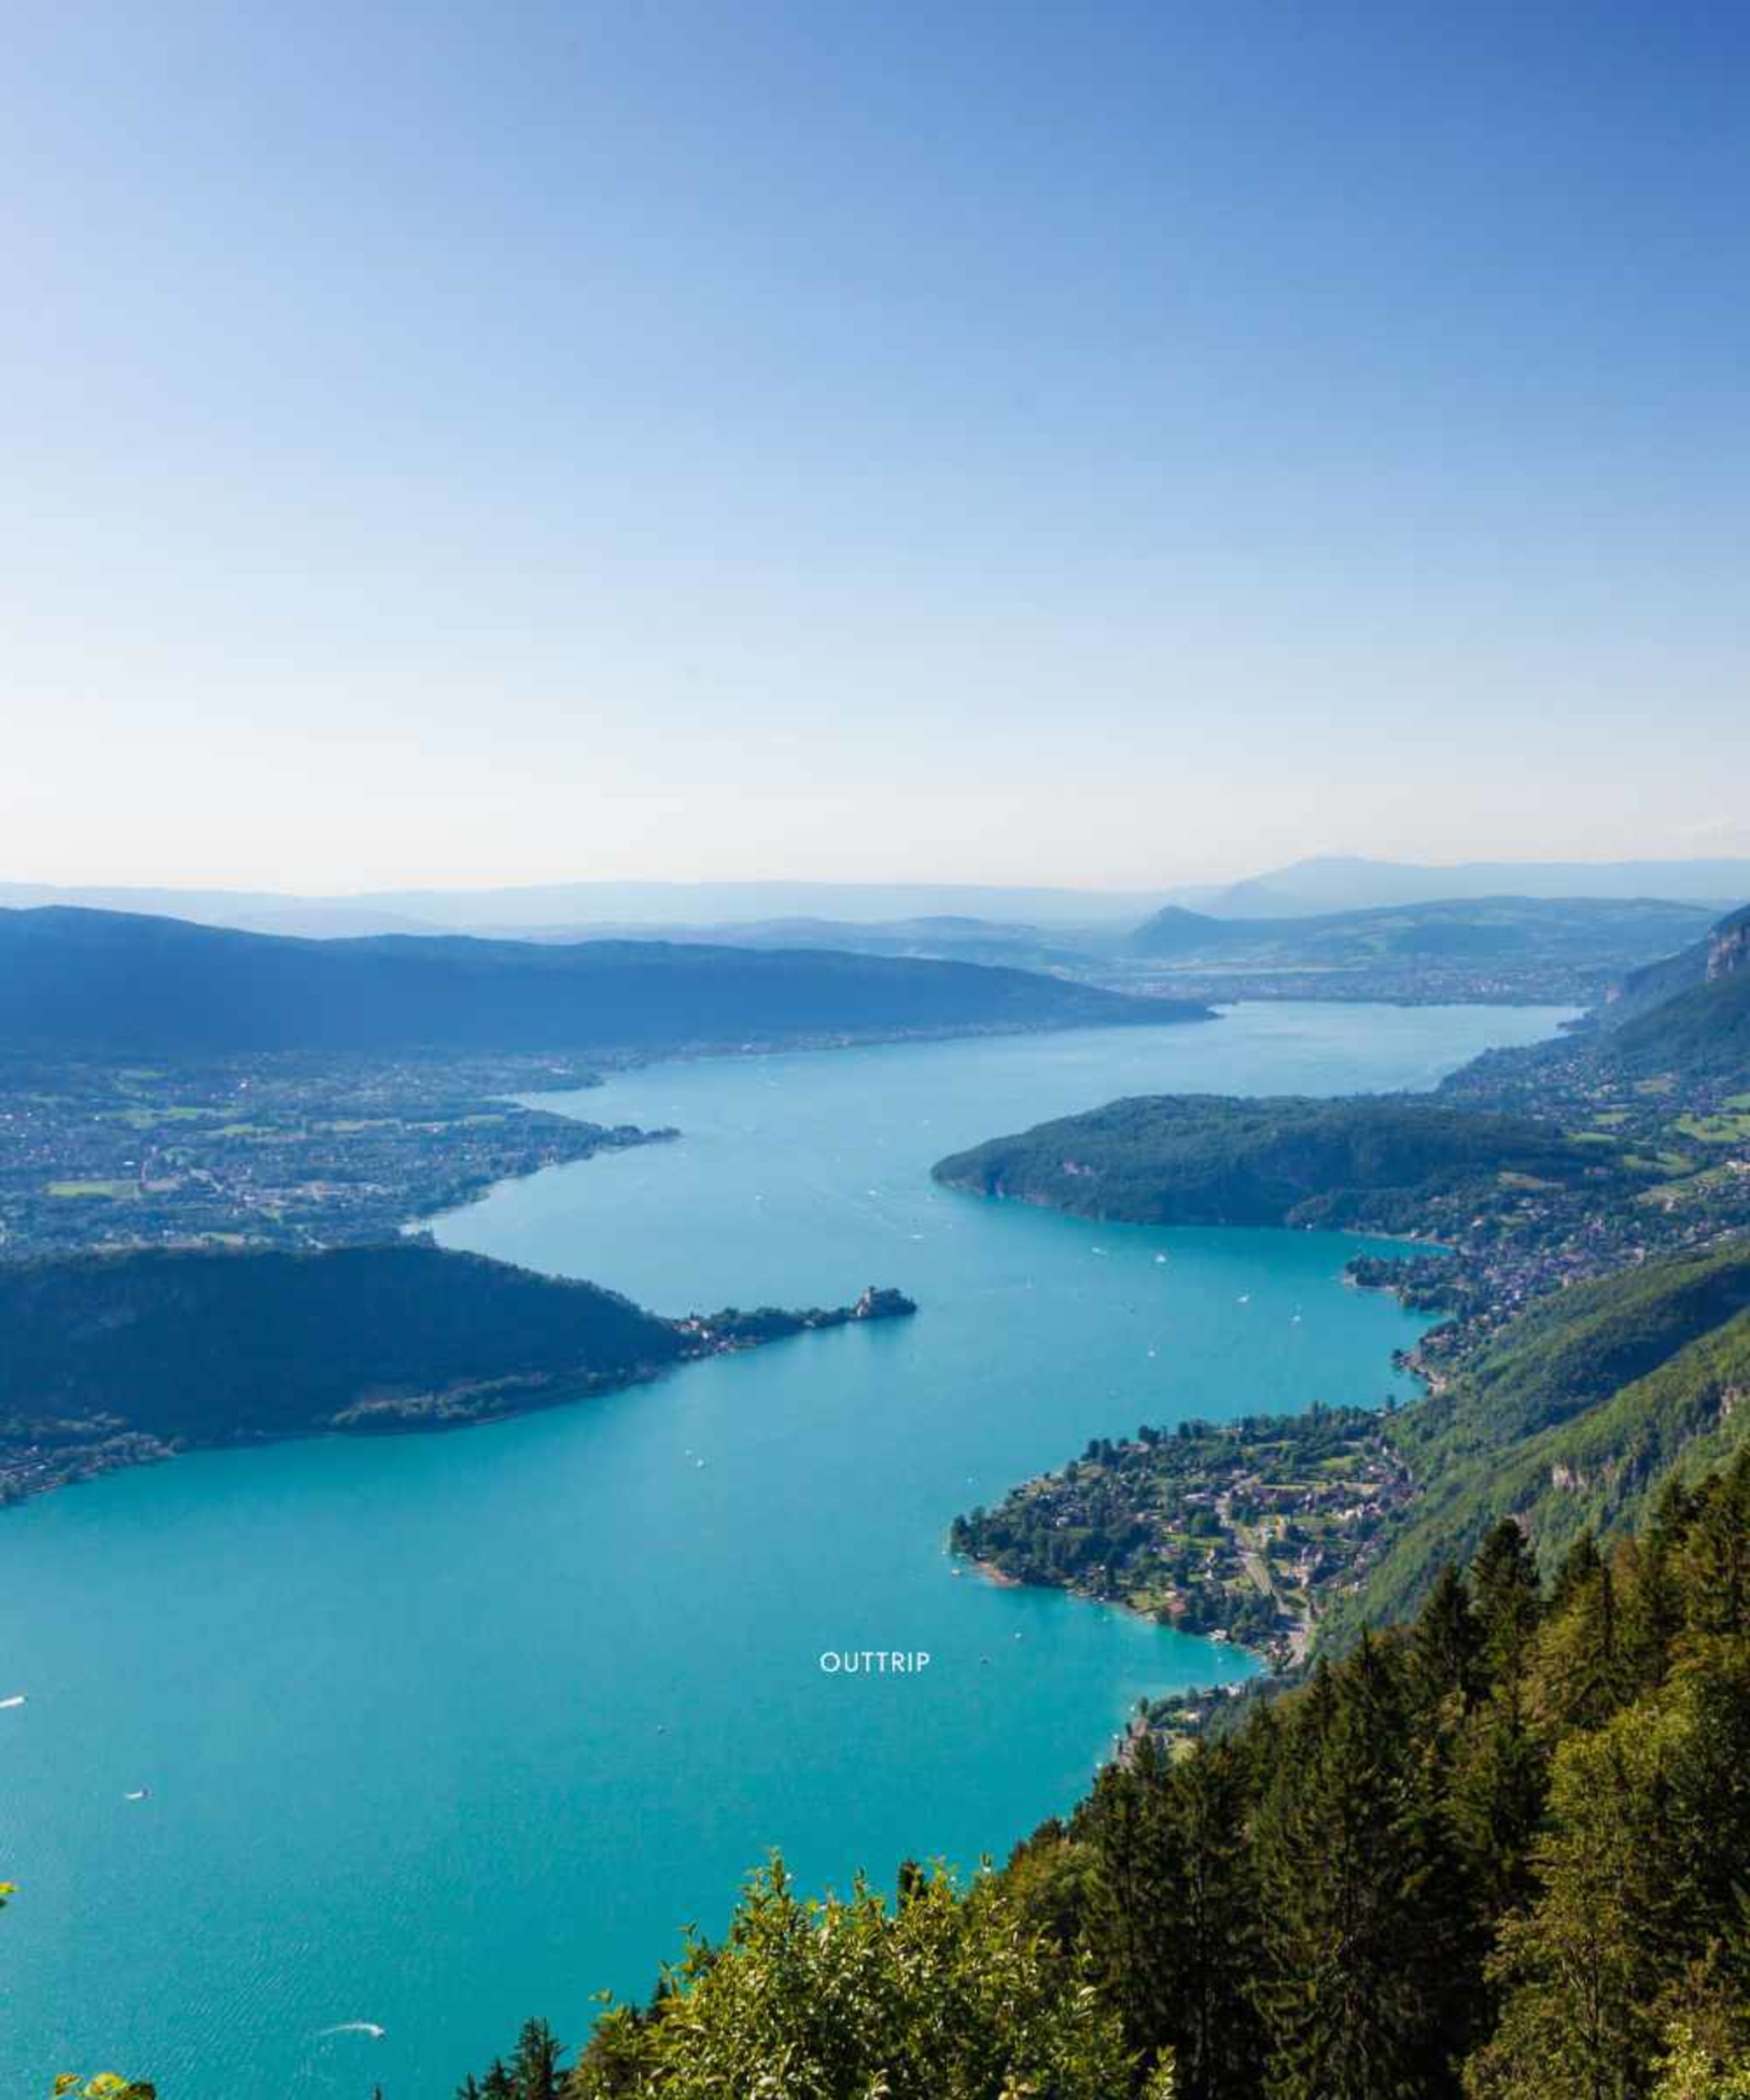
1234 1530
1673 1177
279 1151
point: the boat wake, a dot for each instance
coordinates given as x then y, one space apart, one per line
357 2027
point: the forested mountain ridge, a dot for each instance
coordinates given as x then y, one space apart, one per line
112 983
115 1357
1495 1853
1213 1159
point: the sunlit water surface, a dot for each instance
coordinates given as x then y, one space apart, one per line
443 1730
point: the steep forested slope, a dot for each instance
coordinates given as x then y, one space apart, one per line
1706 1032
1576 1414
1706 959
1575 1348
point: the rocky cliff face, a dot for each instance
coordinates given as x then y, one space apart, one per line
1722 953
1729 946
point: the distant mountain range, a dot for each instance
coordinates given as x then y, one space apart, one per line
1607 934
1327 884
574 906
108 982
1349 883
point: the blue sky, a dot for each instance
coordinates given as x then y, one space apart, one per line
1104 445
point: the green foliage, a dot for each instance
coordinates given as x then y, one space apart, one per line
1638 1885
939 1997
1357 1990
1691 2070
536 2071
1170 1915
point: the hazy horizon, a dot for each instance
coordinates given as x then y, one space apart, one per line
1235 872
1108 451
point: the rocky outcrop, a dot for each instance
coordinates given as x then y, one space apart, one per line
877 1304
1729 946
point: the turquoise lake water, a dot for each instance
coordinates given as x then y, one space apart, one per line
445 1730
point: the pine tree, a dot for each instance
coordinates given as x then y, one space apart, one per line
1504 1583
1499 1783
1216 2036
1580 1564
536 2070
1715 1560
1171 1916
1348 1856
1584 1966
1582 1673
1132 1911
1447 1645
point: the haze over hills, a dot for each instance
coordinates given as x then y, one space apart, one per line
570 907
1607 933
1324 884
114 982
1350 882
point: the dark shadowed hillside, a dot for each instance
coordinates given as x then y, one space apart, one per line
114 1358
204 1346
111 983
